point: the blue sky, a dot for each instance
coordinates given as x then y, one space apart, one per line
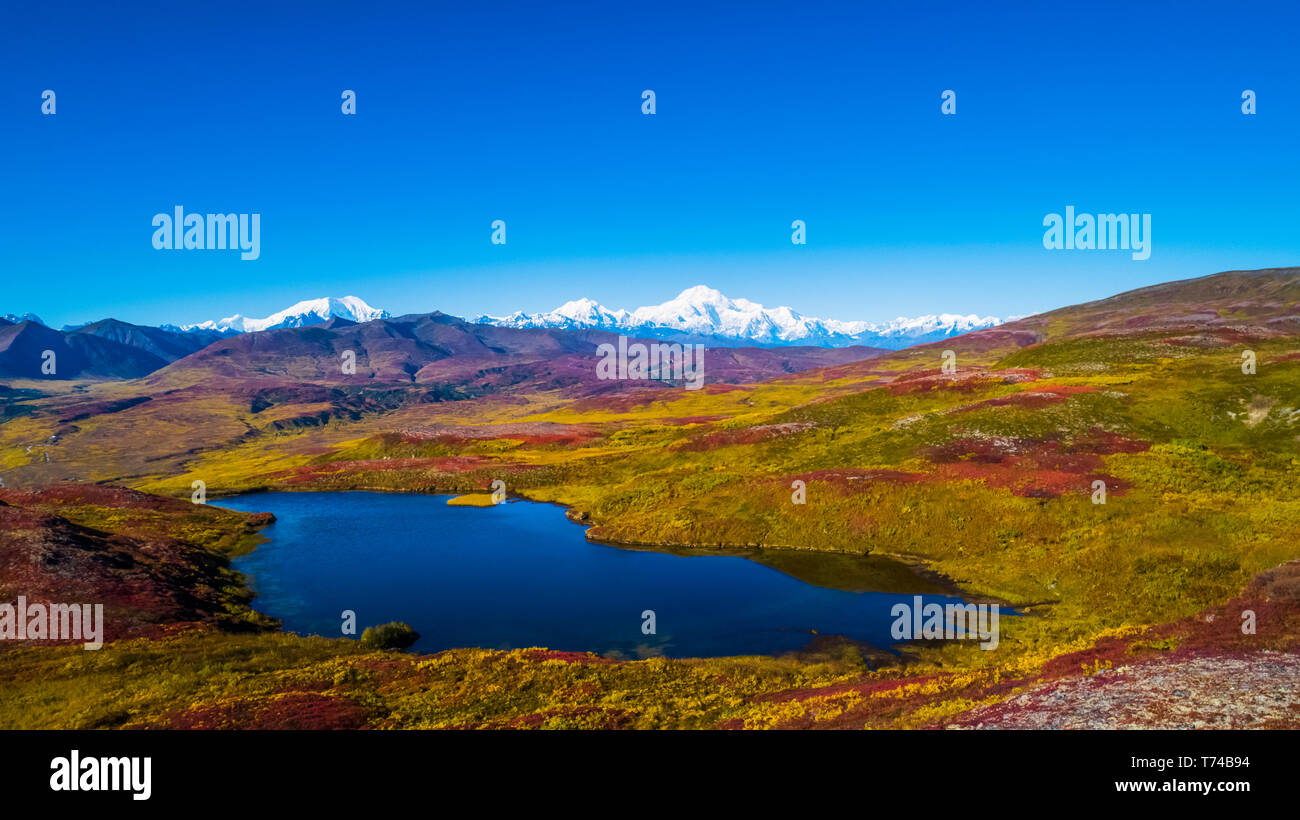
530 113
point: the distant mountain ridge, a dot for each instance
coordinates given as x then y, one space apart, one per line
466 359
303 314
104 349
517 350
702 314
110 348
698 314
453 358
14 319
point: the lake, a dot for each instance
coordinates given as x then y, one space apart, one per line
521 574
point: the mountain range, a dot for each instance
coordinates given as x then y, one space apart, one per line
110 348
303 314
542 351
412 349
703 315
458 358
13 319
104 349
699 314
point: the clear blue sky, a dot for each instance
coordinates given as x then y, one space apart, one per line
767 112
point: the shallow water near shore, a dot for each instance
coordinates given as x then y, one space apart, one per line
521 574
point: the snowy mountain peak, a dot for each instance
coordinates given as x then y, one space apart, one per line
583 305
302 314
587 310
15 319
703 295
702 311
573 315
949 321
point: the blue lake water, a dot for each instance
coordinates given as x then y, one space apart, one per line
521 574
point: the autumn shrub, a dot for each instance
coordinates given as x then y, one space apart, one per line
395 635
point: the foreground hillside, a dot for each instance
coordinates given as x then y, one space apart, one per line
183 668
989 474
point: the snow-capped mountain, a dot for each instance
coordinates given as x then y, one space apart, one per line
698 314
704 314
15 319
309 312
580 314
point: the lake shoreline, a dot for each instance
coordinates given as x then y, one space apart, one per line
916 564
524 584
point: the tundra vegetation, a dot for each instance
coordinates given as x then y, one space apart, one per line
988 476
